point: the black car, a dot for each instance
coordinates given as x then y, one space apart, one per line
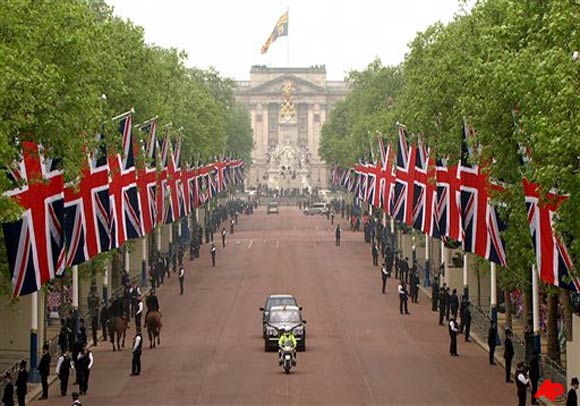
282 318
276 300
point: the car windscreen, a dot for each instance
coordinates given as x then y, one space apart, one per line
285 317
280 301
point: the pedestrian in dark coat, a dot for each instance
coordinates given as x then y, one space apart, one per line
414 282
454 304
405 269
223 237
63 335
491 341
8 394
22 384
212 250
466 320
508 355
447 303
337 233
104 320
442 304
435 295
44 370
232 226
572 398
534 375
453 330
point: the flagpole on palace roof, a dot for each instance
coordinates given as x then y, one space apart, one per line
288 38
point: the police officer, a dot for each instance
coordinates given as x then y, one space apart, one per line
442 304
453 330
181 277
466 320
375 254
508 355
63 367
384 276
522 383
104 319
22 384
137 349
152 303
44 370
337 233
223 237
453 304
139 312
403 297
435 295
212 250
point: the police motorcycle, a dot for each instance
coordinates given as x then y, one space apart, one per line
287 352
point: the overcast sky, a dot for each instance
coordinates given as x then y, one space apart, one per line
342 34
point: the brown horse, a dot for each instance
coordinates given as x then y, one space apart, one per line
153 322
118 326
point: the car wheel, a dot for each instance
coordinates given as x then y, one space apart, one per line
266 346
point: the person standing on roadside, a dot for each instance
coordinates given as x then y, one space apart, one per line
522 383
22 384
337 233
434 295
572 398
375 254
223 237
453 330
85 363
442 304
63 367
453 304
212 250
508 355
403 297
181 277
491 341
8 394
44 370
385 276
139 312
232 226
137 349
466 320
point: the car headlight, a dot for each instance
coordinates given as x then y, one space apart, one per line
299 330
271 331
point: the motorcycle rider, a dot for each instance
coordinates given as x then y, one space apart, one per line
287 336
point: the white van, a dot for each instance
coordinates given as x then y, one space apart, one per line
317 208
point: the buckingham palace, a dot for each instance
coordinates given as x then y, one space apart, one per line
288 107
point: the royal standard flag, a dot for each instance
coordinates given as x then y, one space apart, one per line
281 29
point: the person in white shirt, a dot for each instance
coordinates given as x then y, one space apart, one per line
181 277
137 349
63 367
453 330
522 383
139 312
384 275
403 296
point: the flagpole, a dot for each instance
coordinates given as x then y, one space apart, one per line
288 39
123 115
536 308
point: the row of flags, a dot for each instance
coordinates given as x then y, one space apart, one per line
453 201
113 201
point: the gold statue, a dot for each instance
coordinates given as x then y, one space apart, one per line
287 110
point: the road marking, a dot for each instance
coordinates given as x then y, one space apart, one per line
250 244
277 243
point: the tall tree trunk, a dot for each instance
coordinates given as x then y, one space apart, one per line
553 343
567 310
508 308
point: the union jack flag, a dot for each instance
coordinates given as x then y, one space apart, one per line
219 184
405 175
388 176
178 186
553 262
35 243
165 199
424 190
481 225
147 179
87 210
375 183
446 213
126 221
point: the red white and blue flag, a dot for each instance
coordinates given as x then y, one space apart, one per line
387 184
35 243
446 211
553 262
165 201
87 225
402 209
147 179
424 190
126 221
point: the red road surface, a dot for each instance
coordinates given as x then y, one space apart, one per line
360 351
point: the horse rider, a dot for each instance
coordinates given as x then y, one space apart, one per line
152 303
